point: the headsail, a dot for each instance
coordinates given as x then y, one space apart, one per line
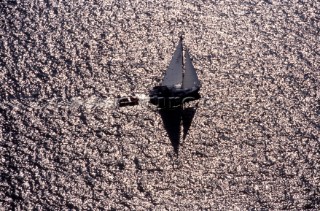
173 75
190 79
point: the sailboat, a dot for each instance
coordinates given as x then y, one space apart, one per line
180 83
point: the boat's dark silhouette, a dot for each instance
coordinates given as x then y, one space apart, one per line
180 83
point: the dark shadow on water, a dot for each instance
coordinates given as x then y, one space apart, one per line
172 119
187 117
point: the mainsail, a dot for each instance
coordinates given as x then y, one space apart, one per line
173 75
190 79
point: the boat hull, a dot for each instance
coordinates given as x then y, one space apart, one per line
164 97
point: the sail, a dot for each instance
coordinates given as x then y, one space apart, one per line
190 79
173 75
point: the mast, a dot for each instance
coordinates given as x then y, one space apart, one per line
181 40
